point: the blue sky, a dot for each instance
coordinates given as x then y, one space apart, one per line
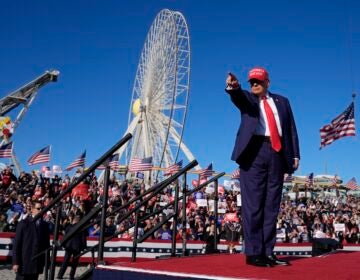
308 47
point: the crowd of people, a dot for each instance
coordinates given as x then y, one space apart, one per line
299 220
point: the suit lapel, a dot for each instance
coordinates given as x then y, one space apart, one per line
279 107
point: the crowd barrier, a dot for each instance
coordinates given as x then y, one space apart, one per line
121 249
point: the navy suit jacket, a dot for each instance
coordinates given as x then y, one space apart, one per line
248 104
29 241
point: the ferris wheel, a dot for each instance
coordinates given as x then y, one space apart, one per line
160 94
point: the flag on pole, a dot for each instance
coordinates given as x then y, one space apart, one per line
310 180
101 166
138 164
343 125
172 169
78 162
6 150
352 185
207 172
112 161
236 174
41 156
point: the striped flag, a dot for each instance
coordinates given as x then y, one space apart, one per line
207 172
112 161
172 169
6 150
334 180
41 156
78 162
310 180
352 185
343 125
288 178
138 164
236 174
101 167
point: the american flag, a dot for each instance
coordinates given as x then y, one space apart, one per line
172 169
41 156
352 185
236 174
343 125
101 167
288 178
138 164
207 172
112 161
78 162
6 150
310 180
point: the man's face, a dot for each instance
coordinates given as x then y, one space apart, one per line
259 88
36 209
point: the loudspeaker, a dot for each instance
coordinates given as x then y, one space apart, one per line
322 246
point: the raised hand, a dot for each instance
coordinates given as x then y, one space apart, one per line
231 81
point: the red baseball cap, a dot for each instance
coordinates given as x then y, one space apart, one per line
258 73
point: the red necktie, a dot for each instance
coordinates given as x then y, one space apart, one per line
274 133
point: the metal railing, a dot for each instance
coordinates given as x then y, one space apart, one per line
160 186
56 202
150 193
92 217
174 216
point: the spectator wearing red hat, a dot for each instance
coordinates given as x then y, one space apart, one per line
266 147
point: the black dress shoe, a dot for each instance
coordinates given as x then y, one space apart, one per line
275 261
258 261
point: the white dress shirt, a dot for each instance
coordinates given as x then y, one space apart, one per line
263 126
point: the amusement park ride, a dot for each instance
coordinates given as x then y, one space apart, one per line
160 94
24 97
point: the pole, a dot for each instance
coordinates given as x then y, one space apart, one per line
184 216
103 215
134 248
174 224
46 270
216 199
56 238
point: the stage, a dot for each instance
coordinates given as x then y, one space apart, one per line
336 265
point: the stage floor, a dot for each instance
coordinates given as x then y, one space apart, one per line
336 265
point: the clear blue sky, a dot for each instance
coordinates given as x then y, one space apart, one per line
306 46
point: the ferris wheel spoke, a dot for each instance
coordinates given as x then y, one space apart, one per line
158 139
160 82
176 106
165 119
183 147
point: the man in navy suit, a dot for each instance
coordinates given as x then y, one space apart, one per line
31 238
266 147
72 248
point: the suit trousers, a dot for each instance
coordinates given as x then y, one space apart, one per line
74 263
261 170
